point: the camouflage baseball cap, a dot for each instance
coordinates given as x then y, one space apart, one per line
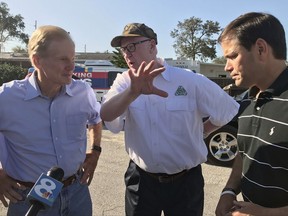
134 30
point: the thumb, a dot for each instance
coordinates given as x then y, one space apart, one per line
160 93
240 204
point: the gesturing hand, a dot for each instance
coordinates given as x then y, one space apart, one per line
142 79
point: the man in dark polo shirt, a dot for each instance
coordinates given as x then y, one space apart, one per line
255 48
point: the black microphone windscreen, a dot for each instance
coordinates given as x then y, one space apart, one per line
56 173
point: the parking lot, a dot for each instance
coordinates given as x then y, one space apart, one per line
107 188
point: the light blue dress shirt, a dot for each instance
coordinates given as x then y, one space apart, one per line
41 132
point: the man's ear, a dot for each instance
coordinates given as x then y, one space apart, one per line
153 45
261 46
260 50
153 42
36 61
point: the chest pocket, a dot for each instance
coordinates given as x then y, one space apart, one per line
76 126
180 105
136 113
138 104
180 113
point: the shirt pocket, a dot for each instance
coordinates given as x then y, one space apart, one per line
136 114
138 104
180 113
76 126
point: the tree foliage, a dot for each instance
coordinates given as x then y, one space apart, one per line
11 27
118 59
220 60
19 49
11 72
194 39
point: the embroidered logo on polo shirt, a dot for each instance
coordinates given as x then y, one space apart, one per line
180 91
271 131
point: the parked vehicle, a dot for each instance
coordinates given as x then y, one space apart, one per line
99 74
222 144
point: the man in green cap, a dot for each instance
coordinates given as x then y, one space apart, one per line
161 109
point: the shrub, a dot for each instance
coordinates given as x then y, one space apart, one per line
11 72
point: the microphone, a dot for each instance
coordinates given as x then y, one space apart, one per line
45 190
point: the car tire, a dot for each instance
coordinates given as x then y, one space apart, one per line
222 146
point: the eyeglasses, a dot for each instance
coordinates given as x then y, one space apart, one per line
131 47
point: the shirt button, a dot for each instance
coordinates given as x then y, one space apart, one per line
56 138
257 108
60 156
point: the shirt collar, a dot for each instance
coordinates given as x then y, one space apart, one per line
167 73
276 88
280 84
33 89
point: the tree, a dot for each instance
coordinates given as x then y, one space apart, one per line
19 49
118 59
11 72
220 60
11 26
194 39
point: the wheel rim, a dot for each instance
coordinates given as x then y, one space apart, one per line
223 146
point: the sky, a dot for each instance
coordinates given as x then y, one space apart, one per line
93 23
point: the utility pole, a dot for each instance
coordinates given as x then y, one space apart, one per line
35 26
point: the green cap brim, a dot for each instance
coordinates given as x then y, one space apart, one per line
116 41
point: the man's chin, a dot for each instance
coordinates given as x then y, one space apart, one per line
68 81
238 82
133 68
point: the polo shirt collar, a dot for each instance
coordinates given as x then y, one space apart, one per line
276 88
280 84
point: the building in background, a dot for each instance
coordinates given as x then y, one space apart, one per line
184 63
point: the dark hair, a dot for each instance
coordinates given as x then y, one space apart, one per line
248 27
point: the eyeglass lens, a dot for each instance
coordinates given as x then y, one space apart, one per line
132 46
